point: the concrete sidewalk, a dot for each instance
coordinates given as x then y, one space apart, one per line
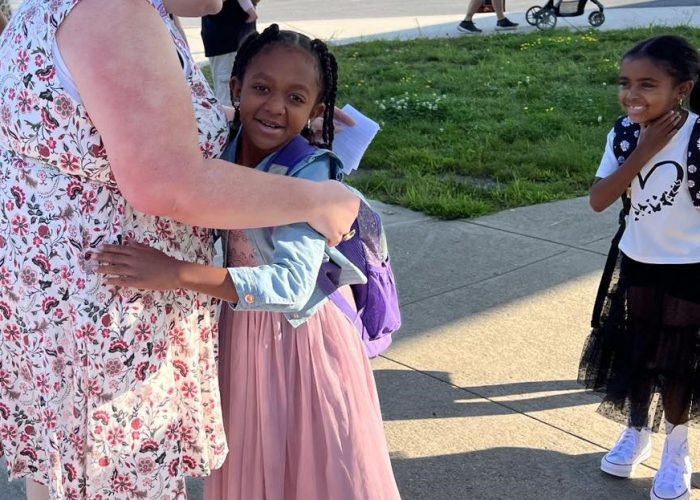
478 391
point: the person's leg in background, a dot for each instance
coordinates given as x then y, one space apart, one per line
502 23
221 67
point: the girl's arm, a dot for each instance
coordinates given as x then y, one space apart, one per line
285 285
139 266
653 137
131 83
3 22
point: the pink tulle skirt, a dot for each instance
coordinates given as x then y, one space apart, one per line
301 412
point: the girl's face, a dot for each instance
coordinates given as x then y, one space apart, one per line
278 95
647 90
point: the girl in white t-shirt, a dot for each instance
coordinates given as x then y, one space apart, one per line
644 350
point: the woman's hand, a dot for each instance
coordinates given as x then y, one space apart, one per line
137 266
339 210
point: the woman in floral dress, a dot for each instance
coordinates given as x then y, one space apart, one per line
104 392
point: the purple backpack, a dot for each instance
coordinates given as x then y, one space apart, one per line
377 301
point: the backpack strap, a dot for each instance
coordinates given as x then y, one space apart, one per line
693 163
337 298
290 155
295 151
625 140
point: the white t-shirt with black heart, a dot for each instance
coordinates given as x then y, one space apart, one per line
663 226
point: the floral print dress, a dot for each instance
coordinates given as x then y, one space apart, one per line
104 392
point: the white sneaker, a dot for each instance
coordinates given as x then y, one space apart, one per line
632 448
672 480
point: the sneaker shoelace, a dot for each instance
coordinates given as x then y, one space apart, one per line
673 471
627 445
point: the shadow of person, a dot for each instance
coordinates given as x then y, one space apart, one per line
512 473
395 385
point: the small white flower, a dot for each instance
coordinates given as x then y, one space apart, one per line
636 133
626 122
625 145
692 169
691 184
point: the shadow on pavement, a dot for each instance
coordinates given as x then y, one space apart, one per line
510 473
469 401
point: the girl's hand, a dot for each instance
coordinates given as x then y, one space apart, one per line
655 135
137 266
340 120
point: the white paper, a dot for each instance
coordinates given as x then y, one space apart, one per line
351 143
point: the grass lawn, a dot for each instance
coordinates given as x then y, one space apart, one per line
472 125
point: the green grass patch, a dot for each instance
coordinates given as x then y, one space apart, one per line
472 125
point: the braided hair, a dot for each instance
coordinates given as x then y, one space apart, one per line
326 64
680 60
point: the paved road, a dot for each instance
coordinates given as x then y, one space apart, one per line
306 10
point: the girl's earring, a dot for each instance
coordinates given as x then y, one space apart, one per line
308 124
236 105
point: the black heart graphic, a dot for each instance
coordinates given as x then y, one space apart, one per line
661 199
679 172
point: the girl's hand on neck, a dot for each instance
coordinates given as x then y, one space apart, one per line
654 135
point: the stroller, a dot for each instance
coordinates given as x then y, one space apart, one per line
546 17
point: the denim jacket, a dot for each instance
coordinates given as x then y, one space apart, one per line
290 255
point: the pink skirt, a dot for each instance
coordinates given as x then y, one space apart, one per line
301 411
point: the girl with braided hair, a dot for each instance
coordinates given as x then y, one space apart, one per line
299 401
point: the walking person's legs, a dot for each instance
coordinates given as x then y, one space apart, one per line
502 22
221 67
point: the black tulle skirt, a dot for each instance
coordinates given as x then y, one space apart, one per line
643 350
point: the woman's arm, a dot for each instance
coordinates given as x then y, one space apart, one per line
188 8
653 137
131 83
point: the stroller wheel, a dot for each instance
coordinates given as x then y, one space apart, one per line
596 18
531 15
546 19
